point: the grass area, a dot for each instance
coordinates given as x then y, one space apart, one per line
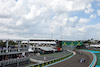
53 54
98 58
46 63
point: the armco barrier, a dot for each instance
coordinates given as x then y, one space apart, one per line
46 63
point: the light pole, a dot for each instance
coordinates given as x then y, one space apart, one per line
85 35
61 32
97 33
51 32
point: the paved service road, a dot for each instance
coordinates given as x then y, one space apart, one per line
74 61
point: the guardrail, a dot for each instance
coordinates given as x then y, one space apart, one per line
12 50
11 61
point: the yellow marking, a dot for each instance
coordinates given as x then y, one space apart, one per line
64 43
78 43
99 57
50 62
71 43
53 61
46 63
38 66
42 64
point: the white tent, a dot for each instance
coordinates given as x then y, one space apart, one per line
95 45
40 42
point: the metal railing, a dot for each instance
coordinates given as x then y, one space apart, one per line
23 49
11 61
12 50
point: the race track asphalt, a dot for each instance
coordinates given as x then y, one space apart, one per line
74 61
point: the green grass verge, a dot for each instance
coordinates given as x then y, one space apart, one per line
98 58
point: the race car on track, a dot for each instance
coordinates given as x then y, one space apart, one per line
82 60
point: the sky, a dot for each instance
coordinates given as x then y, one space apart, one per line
50 19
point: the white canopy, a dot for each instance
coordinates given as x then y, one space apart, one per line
95 45
39 42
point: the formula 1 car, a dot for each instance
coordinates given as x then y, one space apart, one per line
82 60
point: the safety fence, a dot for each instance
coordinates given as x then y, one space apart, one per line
50 62
12 61
12 50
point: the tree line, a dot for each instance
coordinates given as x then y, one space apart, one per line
3 43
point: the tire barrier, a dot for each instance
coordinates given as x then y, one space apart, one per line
50 62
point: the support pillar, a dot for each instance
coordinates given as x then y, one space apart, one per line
18 62
28 45
19 45
7 41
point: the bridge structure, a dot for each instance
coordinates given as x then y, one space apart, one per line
71 44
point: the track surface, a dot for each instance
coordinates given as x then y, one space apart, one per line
74 61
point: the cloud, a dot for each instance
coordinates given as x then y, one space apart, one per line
89 9
72 5
97 0
93 16
35 18
98 4
73 21
83 20
93 30
98 11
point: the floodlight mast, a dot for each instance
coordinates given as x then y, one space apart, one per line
61 32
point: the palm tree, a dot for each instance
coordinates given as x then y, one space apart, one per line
89 42
92 39
2 44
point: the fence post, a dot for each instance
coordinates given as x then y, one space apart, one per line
28 60
18 62
4 63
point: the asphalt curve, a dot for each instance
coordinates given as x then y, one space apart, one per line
74 61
